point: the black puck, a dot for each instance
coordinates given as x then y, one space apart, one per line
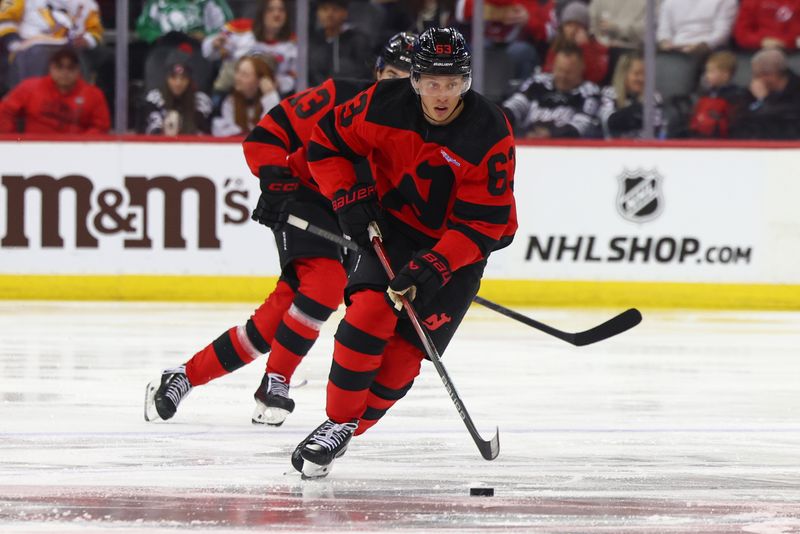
481 492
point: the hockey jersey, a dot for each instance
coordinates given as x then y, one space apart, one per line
452 183
281 136
565 114
58 19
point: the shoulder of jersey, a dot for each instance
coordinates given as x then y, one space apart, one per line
347 88
485 127
390 104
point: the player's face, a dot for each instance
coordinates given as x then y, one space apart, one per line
391 73
440 95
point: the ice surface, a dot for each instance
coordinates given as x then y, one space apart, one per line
688 423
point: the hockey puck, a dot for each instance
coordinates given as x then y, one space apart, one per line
481 492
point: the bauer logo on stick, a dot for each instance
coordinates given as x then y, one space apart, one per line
640 198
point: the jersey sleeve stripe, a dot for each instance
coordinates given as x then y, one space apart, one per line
328 127
263 136
468 211
278 114
318 152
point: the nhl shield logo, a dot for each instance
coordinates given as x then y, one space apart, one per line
639 198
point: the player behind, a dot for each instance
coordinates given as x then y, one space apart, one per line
312 280
443 159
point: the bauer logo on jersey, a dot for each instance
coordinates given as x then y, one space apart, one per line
640 198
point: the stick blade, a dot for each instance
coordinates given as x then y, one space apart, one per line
614 326
490 449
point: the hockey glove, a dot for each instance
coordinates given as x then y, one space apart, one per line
278 188
355 209
420 279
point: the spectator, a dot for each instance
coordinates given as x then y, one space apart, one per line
695 27
270 33
768 24
254 94
32 30
561 104
167 25
177 108
419 15
574 30
337 48
621 111
720 101
61 102
618 23
774 100
195 18
514 25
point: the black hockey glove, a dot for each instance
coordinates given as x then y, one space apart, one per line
420 279
278 188
357 208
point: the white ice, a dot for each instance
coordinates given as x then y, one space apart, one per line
690 422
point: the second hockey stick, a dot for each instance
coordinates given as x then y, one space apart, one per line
614 326
488 449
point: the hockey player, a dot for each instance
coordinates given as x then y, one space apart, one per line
443 162
312 281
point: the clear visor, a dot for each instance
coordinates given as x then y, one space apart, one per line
441 85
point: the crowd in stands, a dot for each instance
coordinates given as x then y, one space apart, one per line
558 68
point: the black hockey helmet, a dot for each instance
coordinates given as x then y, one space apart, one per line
442 51
397 52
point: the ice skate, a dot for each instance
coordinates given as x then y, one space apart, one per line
162 396
273 404
327 443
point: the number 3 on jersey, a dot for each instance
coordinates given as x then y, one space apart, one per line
310 102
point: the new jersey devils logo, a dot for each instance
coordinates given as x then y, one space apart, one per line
430 211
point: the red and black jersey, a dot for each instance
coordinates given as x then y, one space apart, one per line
452 183
281 136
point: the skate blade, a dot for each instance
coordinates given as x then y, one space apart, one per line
150 413
312 471
264 415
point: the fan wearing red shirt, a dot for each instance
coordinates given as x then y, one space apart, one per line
61 102
768 24
442 158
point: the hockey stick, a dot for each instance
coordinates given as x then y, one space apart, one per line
616 325
488 449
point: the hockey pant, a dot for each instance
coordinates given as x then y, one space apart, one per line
376 355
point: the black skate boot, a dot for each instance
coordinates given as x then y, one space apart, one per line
161 400
273 404
327 443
